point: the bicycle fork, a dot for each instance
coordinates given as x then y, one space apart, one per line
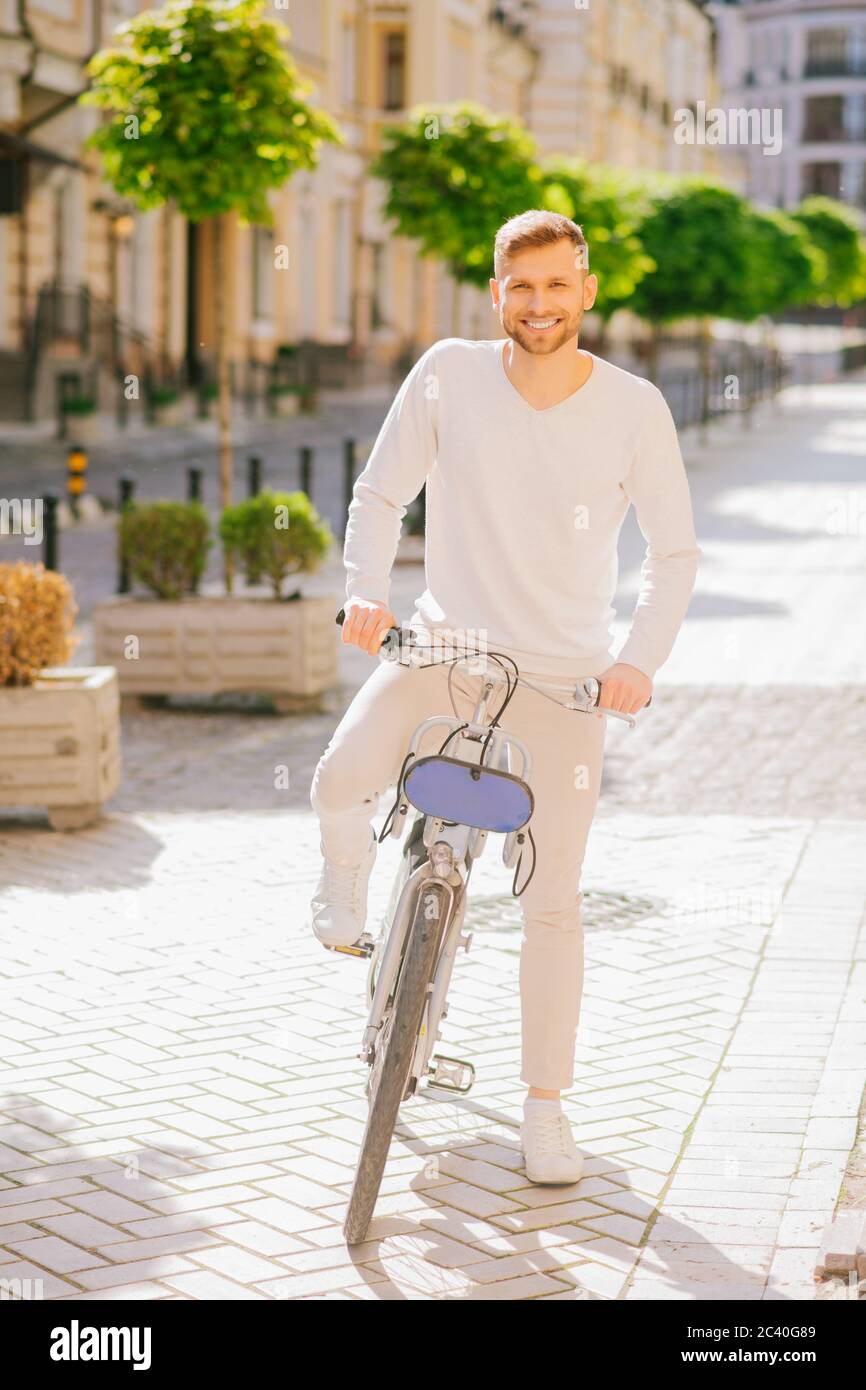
437 889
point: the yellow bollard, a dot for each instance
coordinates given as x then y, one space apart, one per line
76 475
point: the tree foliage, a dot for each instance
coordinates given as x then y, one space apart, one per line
833 229
206 109
782 267
454 174
608 204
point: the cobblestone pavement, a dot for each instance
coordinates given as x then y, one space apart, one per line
181 1098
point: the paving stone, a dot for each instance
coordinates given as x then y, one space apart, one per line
185 1092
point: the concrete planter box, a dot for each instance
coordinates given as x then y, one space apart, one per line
171 415
410 550
201 645
285 403
84 429
60 743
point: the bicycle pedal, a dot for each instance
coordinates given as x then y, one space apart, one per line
449 1074
363 947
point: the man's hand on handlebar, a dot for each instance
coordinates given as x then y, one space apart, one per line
624 688
365 623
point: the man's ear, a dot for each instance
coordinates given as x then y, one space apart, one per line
590 290
494 291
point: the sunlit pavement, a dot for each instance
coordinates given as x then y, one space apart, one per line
181 1095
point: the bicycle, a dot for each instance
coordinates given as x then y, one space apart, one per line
456 802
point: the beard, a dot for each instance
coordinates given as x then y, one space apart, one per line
542 342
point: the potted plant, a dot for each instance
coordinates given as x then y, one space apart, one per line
81 411
284 398
59 725
175 641
168 407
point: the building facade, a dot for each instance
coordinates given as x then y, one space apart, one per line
87 281
808 59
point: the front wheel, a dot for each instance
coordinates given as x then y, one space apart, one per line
395 1049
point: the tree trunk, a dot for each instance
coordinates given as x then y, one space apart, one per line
705 346
455 310
652 357
224 404
167 264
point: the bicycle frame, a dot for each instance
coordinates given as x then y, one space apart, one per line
452 851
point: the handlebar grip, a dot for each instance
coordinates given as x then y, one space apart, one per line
341 616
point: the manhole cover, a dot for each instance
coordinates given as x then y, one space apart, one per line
601 912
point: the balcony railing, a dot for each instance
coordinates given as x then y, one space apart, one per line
835 67
833 134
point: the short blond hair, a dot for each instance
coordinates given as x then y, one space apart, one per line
536 228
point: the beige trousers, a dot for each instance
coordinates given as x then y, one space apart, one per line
363 759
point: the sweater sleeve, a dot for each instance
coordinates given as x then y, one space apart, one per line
658 487
401 458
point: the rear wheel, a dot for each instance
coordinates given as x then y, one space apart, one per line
395 1048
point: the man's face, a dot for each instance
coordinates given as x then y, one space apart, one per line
543 294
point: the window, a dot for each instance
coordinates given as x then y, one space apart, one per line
823 118
342 264
377 315
395 72
825 179
306 270
854 116
263 274
350 35
825 52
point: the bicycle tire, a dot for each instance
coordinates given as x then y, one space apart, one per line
414 854
410 997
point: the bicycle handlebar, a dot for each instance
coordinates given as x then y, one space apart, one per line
389 643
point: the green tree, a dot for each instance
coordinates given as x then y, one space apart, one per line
833 229
608 204
206 111
783 267
696 233
454 174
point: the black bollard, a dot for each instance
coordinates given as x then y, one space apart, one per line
254 475
127 492
306 456
193 484
49 535
348 473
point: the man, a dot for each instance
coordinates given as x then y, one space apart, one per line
531 450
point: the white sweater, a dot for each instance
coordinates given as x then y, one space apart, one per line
524 508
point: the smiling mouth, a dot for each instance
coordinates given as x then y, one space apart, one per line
541 325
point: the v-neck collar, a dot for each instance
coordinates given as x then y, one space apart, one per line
500 345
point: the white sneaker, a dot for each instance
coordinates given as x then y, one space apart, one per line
339 905
548 1147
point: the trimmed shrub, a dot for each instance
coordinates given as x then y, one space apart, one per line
274 535
165 545
37 614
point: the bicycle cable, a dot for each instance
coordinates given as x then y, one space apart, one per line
512 683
